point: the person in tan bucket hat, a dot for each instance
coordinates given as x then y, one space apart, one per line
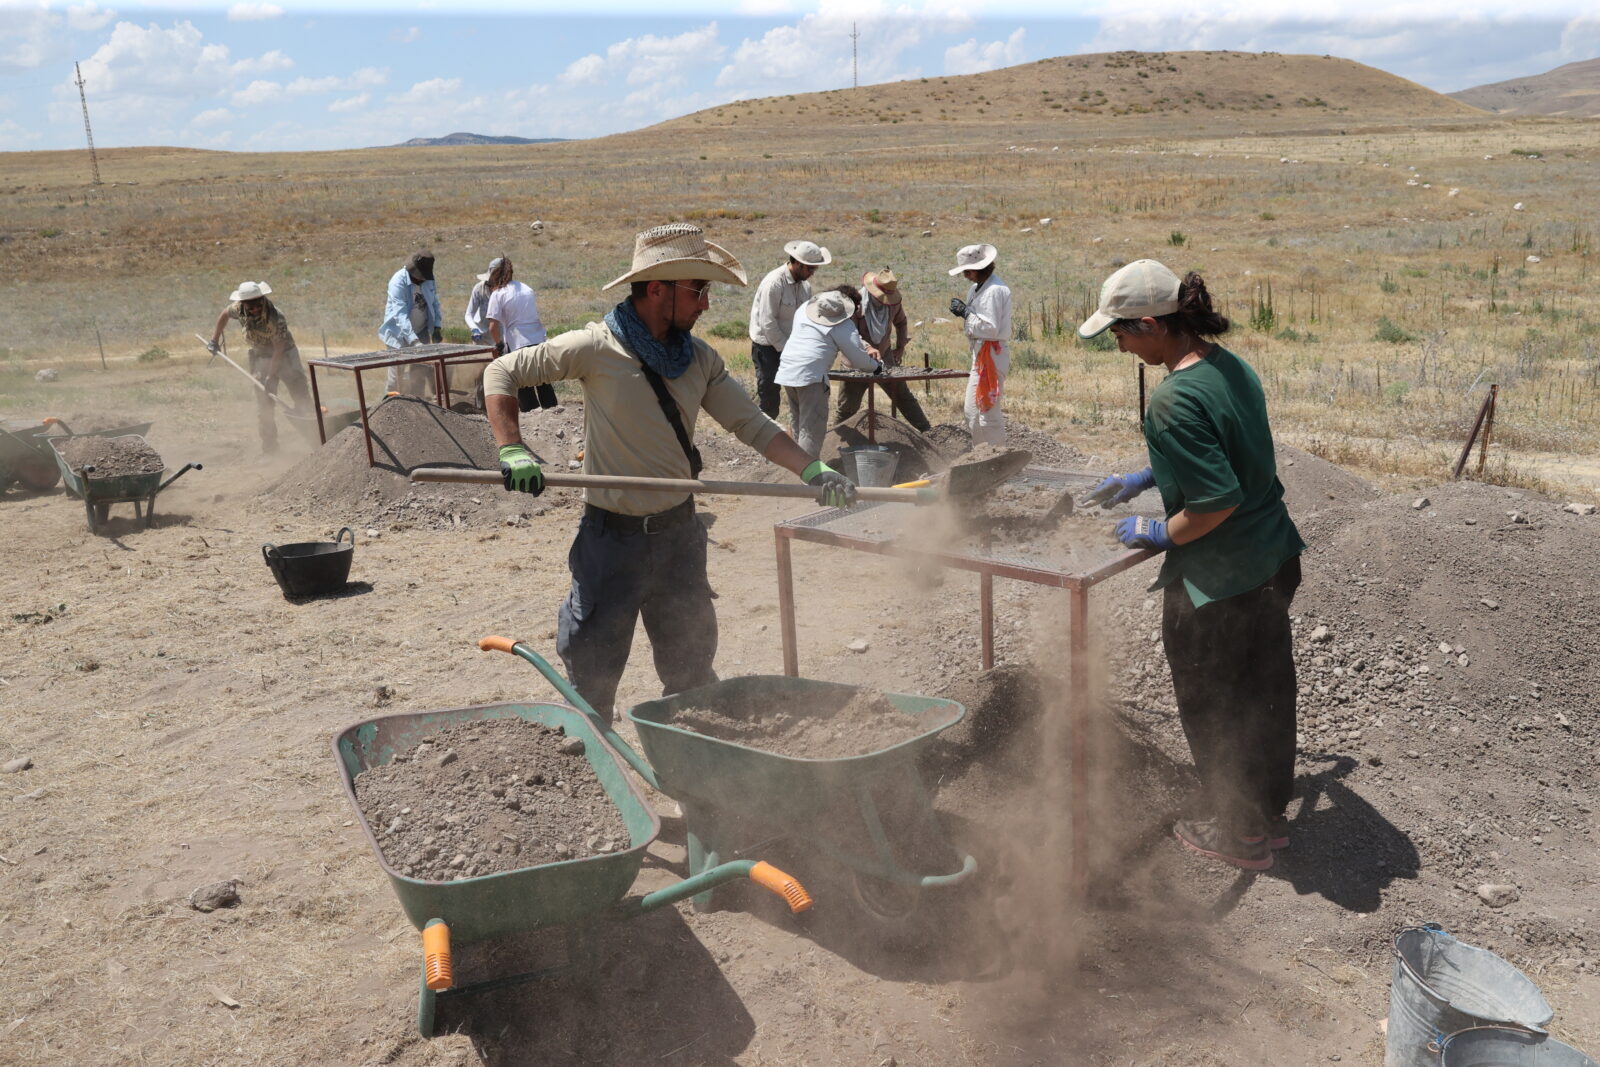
882 315
778 296
645 380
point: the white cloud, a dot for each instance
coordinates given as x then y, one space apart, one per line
151 61
351 103
212 117
256 93
660 62
30 37
13 136
253 12
267 61
426 92
263 92
815 52
406 36
88 17
1580 39
972 58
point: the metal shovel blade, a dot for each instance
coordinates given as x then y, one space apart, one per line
972 479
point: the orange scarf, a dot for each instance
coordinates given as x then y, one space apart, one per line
988 394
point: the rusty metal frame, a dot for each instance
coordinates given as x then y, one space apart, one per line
1076 584
442 356
900 375
1485 423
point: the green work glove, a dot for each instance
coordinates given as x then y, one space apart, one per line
520 471
834 490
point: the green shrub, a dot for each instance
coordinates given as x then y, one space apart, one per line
1101 342
1029 359
1177 238
457 335
731 330
1395 392
51 232
154 355
1388 284
1394 335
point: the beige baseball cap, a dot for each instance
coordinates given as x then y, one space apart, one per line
1142 289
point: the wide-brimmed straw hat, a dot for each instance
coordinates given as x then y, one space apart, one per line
883 286
679 252
812 255
830 308
250 291
974 257
1142 289
493 263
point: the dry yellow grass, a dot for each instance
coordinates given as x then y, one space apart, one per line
1378 271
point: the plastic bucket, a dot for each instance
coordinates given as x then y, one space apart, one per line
312 568
870 465
1442 986
1503 1046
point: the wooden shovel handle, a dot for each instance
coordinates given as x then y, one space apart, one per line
675 485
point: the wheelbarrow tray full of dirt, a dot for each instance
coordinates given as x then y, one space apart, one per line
527 898
98 494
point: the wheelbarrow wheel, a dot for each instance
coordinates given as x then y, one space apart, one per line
37 474
889 903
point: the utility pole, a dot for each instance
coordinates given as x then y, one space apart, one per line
94 164
855 62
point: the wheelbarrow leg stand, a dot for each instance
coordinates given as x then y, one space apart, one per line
700 836
578 943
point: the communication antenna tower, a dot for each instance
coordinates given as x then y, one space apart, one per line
855 61
94 163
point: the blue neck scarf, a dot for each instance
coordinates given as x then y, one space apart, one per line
668 358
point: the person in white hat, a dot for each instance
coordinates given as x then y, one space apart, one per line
478 306
986 314
881 321
645 380
274 357
772 310
823 328
411 317
1231 562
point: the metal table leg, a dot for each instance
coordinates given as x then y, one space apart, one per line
986 614
316 402
1078 741
872 413
366 427
791 651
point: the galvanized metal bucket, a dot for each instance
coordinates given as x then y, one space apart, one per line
875 467
1504 1046
1442 986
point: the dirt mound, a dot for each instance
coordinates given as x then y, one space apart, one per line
1312 484
408 433
111 457
918 455
483 797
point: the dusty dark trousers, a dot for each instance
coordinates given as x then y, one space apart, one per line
292 376
766 358
621 573
900 397
1233 672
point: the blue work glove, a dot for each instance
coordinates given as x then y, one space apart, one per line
958 307
520 471
834 490
1120 488
1136 531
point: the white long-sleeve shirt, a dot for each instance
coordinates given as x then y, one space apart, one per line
777 298
989 314
477 308
812 346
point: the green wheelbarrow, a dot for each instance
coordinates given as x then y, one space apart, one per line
98 494
26 456
529 898
735 797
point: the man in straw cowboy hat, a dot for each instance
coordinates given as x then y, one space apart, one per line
645 380
987 315
274 357
777 298
881 315
823 329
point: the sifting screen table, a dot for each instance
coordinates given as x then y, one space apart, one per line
441 356
896 374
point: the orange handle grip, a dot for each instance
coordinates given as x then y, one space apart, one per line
436 967
495 644
920 483
51 420
786 886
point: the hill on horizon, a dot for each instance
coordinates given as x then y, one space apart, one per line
1264 87
1569 91
473 138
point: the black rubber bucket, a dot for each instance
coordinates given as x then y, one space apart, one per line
312 568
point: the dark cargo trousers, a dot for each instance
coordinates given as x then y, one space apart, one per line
768 395
291 376
622 570
1233 674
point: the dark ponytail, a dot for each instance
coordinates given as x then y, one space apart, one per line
1195 315
500 276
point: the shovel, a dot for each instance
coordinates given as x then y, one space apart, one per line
292 413
976 478
677 485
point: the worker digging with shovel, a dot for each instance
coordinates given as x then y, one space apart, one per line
645 380
274 357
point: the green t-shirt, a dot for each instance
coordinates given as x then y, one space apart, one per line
1210 449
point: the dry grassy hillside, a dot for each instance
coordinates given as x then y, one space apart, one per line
1571 91
1089 90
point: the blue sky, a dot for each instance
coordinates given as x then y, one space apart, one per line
288 75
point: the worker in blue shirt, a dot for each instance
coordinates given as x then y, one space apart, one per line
411 317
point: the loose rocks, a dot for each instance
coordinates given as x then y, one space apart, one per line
217 895
1498 896
111 457
488 796
21 763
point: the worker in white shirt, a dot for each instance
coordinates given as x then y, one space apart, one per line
777 298
987 315
823 328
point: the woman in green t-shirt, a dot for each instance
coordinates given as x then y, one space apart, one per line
1231 559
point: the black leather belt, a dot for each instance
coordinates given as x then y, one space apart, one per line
661 520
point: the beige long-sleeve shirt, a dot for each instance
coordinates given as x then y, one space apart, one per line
625 430
772 310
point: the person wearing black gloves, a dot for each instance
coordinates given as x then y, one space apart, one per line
1231 562
645 380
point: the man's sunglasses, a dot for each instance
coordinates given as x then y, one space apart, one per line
701 290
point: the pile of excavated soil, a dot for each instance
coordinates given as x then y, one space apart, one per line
111 457
488 796
801 726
